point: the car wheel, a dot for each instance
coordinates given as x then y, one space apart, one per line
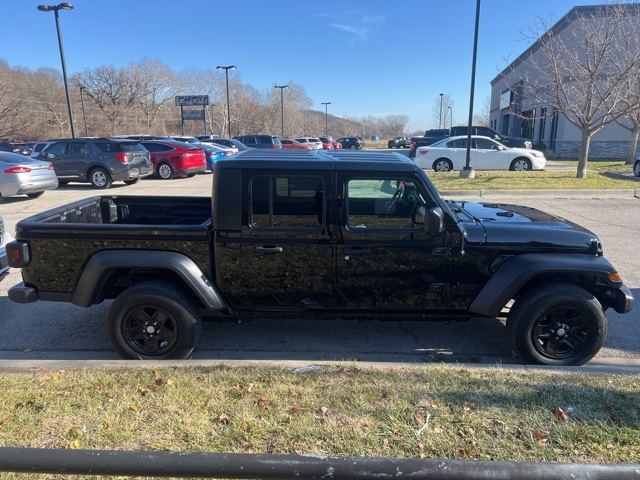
353 147
443 165
556 324
154 320
133 181
521 164
2 199
165 171
636 168
100 178
35 194
62 183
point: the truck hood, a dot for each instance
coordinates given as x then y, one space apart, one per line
516 224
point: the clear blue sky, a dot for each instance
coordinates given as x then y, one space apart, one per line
366 57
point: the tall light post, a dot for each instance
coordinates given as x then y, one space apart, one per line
282 87
55 8
450 117
467 171
326 118
84 115
226 73
440 122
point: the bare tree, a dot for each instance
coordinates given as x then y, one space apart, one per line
444 120
13 96
584 72
395 125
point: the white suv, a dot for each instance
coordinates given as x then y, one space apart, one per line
314 142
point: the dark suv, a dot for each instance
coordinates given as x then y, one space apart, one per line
352 143
259 141
98 161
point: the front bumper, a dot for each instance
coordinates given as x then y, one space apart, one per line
624 300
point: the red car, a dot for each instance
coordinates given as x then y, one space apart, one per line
295 145
337 145
327 144
175 159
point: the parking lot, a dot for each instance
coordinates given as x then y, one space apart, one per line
43 330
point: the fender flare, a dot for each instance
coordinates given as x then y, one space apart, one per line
516 271
102 263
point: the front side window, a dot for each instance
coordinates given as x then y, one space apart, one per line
375 204
286 203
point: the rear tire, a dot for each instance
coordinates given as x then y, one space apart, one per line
154 320
557 324
443 165
165 171
133 181
636 168
353 147
35 195
100 178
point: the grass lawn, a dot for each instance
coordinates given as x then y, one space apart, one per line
422 412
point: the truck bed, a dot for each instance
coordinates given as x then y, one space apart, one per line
127 210
62 239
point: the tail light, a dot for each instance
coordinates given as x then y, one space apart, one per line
122 157
273 145
422 152
17 254
50 167
17 170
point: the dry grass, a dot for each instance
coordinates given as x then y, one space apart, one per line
432 412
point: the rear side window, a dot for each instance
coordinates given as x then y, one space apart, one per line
287 203
265 139
108 147
59 148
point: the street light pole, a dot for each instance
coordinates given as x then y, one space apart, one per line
326 118
450 117
84 115
440 122
282 87
467 171
226 73
55 8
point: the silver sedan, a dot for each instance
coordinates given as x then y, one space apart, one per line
20 175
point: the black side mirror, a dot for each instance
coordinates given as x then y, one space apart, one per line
434 222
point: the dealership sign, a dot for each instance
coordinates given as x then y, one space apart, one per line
191 100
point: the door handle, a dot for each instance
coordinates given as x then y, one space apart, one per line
356 251
270 250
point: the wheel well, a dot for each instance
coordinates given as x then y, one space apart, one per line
520 158
590 283
116 281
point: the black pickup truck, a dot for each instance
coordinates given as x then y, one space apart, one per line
326 234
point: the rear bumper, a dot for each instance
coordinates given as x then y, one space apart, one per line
20 293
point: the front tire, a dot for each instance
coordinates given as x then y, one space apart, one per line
100 178
154 320
636 168
443 165
521 164
353 147
557 324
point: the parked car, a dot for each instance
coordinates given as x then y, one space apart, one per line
22 175
15 147
260 141
5 238
232 142
351 143
315 142
486 154
293 144
327 143
38 147
98 161
336 145
172 159
208 138
397 142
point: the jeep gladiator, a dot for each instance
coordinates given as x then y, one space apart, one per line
326 234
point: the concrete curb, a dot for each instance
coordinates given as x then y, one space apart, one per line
627 193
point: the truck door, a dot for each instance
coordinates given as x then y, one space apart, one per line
385 259
286 242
